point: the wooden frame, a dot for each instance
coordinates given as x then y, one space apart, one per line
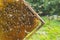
39 26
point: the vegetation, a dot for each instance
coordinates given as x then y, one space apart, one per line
50 31
46 7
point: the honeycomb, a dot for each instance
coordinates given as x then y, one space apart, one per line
16 20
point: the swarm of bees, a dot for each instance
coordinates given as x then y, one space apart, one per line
16 20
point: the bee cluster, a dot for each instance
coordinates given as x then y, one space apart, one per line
16 21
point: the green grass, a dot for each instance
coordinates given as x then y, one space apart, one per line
50 31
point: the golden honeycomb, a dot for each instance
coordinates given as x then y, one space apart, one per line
16 20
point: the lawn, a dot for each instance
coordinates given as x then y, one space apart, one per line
50 31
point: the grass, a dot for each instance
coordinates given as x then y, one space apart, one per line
50 31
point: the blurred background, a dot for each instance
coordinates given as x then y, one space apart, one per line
49 10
